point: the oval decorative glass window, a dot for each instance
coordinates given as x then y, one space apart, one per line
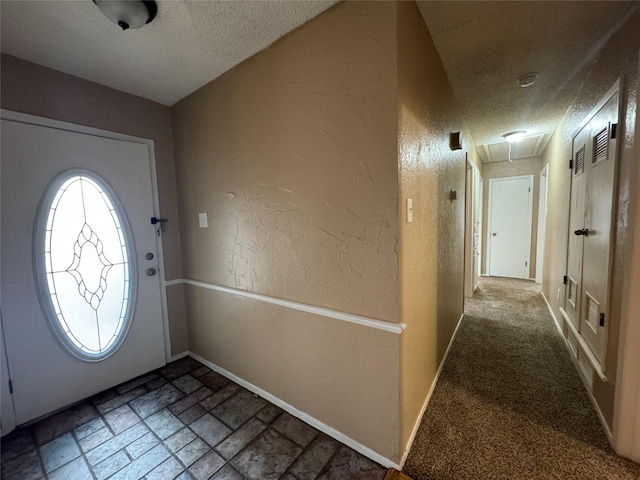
82 254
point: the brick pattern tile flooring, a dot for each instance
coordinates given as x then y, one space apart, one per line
182 422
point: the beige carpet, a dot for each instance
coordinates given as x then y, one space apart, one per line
509 403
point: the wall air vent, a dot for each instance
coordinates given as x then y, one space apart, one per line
592 312
578 165
600 145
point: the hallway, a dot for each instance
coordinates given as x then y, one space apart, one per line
509 403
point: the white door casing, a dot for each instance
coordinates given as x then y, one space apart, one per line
478 227
469 259
542 223
45 375
510 216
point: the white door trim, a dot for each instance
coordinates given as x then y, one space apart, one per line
72 127
489 219
480 196
468 229
542 222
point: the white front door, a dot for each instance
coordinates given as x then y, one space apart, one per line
82 306
510 211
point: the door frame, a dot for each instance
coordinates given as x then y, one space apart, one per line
480 207
468 231
473 214
542 222
82 129
490 220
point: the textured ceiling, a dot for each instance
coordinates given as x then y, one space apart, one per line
188 44
486 46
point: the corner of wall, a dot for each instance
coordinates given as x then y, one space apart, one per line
293 156
431 246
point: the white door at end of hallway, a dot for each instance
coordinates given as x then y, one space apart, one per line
81 307
510 215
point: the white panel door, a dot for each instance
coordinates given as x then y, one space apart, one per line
510 213
598 228
45 375
591 228
582 151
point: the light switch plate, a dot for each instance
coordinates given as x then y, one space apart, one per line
204 222
409 210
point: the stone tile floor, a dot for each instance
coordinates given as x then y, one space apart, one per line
182 422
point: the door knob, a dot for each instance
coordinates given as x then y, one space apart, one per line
584 231
148 256
151 272
494 234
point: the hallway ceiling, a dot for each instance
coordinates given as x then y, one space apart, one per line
484 46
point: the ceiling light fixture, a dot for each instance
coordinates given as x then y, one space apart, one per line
513 137
527 79
128 13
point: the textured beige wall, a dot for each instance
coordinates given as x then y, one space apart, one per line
177 313
293 155
626 422
529 166
37 90
618 58
432 247
343 374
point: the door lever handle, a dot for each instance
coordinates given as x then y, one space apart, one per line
584 231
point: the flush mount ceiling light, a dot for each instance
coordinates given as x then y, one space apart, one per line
527 79
128 13
513 137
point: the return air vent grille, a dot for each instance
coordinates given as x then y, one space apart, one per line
573 289
579 163
600 144
591 312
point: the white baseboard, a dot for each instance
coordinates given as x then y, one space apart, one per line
314 422
179 356
426 401
553 315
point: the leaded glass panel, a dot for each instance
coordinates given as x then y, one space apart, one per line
85 269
